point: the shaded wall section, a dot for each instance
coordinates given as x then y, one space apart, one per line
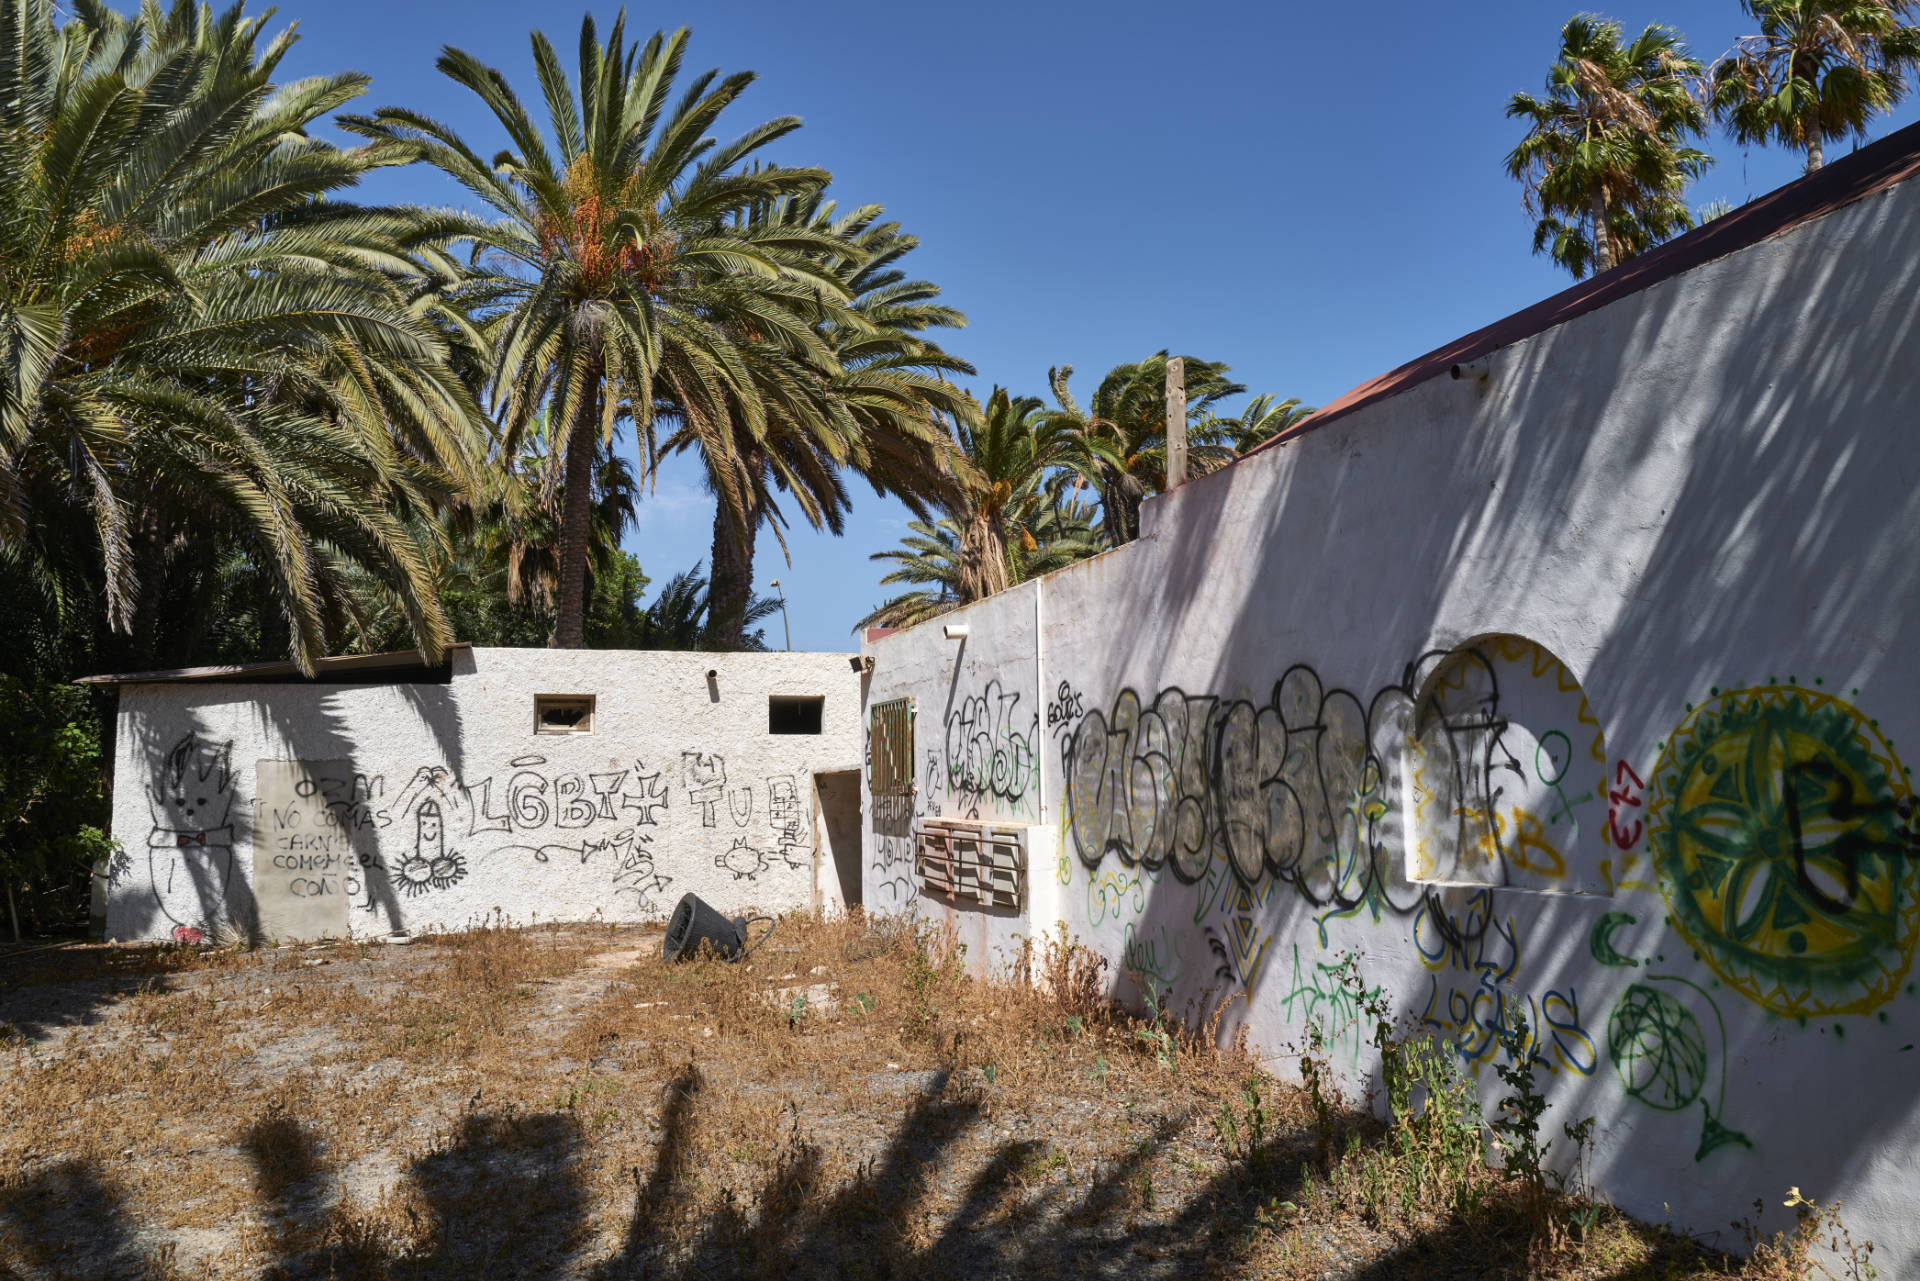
1579 697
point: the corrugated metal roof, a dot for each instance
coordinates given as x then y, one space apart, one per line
1875 167
353 668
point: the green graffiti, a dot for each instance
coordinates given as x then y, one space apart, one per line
1780 821
1660 1053
1600 940
1658 1049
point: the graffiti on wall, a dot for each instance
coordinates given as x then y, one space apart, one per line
635 877
1324 996
1066 707
192 837
1782 827
1658 1044
428 838
1312 786
431 856
1476 996
1236 934
992 754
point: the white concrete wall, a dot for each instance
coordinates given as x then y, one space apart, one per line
1579 698
679 788
980 743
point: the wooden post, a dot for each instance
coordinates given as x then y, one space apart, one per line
1176 422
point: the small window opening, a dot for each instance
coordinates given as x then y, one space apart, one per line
791 715
563 713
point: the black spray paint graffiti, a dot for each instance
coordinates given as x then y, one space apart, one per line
746 863
892 867
992 754
431 863
634 876
189 801
1066 708
431 836
704 775
529 799
1305 788
787 816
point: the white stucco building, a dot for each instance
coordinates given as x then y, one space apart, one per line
386 797
1562 677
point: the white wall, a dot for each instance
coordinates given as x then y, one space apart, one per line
1579 697
980 743
679 788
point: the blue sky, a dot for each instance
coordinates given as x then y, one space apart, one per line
1313 194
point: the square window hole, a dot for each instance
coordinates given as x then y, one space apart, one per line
563 713
793 715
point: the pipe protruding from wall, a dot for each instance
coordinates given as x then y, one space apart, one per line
956 631
1475 371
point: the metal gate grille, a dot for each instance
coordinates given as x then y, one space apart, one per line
890 763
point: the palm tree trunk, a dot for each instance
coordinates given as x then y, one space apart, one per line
730 584
1602 237
983 558
1815 156
1120 499
576 511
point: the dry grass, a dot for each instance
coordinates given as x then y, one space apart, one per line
560 1101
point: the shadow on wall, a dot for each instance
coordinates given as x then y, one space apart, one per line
196 867
1750 501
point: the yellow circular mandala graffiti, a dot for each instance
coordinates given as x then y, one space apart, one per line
1781 823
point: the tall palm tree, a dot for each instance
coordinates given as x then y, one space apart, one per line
1606 160
198 349
614 276
1817 70
1120 439
875 416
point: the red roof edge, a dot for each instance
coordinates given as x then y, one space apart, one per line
1875 167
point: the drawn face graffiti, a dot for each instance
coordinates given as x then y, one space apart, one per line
190 849
190 798
1780 821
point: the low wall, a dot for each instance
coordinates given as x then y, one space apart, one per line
301 810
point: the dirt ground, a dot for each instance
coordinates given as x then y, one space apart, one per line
562 1102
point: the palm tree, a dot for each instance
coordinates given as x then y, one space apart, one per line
1605 160
200 353
1818 69
875 416
933 561
614 278
1260 420
1017 453
680 617
1120 440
